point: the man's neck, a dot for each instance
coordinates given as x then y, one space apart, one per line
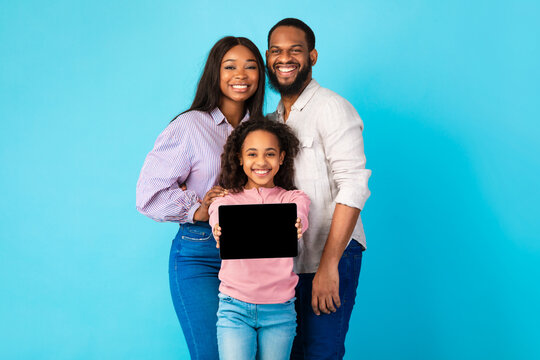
289 100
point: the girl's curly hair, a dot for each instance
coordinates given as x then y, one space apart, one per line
232 176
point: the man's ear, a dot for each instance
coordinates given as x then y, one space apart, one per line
313 55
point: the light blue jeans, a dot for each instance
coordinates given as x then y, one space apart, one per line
252 331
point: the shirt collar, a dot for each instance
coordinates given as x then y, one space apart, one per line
303 99
218 116
262 190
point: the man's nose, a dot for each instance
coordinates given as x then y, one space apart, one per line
284 57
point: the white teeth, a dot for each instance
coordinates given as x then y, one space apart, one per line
286 69
239 86
261 172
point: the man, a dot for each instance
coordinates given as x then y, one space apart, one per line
330 169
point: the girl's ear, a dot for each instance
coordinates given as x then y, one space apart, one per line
281 157
240 159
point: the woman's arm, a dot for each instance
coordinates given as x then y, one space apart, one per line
159 194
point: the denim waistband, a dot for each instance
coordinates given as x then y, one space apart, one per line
204 224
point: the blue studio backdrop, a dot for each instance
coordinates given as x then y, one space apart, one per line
449 94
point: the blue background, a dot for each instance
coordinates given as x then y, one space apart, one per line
449 94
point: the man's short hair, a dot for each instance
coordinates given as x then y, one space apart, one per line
299 24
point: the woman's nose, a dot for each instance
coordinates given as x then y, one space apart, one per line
240 74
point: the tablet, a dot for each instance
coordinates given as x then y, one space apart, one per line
258 231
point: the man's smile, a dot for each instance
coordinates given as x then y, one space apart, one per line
286 70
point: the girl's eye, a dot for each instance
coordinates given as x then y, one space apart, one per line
270 154
229 67
251 154
253 67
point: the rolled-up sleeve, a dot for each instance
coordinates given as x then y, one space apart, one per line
159 195
344 151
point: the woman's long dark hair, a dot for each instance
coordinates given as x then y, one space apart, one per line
208 90
232 176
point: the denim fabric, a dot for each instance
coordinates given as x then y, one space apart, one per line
323 337
252 331
194 265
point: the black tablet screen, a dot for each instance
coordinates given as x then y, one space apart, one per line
258 231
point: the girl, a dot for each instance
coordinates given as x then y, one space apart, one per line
256 315
177 182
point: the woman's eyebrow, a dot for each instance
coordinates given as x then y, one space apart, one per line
235 60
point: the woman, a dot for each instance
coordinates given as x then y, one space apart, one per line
178 178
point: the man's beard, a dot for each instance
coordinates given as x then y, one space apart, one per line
293 88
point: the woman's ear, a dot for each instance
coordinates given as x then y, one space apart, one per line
281 157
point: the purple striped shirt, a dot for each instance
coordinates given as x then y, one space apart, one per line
187 151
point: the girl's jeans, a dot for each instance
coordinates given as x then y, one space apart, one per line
247 331
193 275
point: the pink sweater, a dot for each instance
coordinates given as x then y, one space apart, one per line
260 281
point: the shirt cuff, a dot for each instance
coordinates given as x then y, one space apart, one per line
353 197
191 212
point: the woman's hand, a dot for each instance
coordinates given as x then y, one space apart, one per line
201 214
298 227
217 233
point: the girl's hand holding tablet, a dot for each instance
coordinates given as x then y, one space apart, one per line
217 233
299 227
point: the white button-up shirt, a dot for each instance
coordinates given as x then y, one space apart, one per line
331 165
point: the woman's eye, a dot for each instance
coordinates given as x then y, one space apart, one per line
251 67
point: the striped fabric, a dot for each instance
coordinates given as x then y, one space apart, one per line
187 151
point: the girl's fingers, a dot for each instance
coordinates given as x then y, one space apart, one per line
217 234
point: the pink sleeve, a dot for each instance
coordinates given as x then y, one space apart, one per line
213 210
302 206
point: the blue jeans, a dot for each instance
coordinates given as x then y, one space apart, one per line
194 265
323 337
247 331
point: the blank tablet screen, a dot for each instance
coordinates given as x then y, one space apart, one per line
258 231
